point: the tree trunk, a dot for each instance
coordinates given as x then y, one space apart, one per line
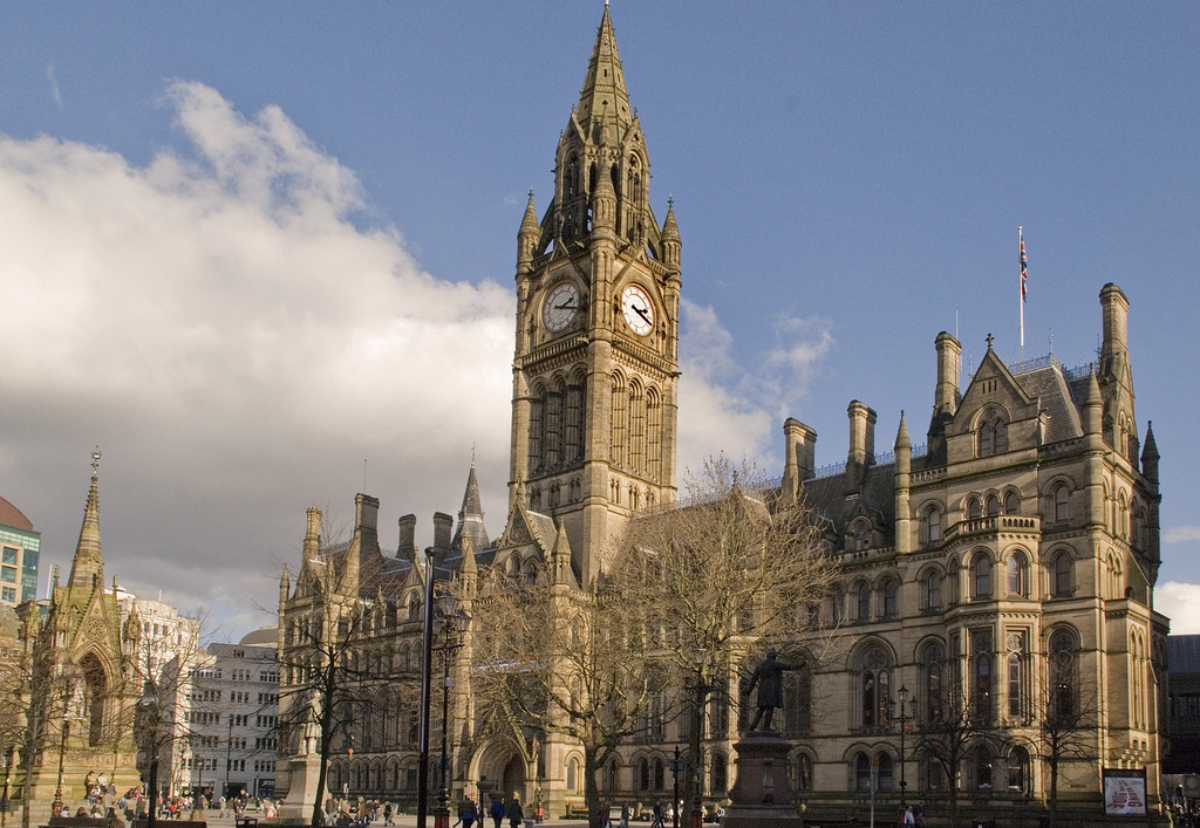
591 789
27 785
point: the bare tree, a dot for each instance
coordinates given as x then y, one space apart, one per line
565 662
1064 720
716 577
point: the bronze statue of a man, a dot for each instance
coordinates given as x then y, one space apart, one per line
768 677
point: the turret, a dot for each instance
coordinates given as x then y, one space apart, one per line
527 238
1150 456
312 537
672 247
604 204
903 469
1093 406
560 557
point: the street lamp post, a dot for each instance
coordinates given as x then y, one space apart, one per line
697 741
57 804
453 625
67 677
676 769
903 719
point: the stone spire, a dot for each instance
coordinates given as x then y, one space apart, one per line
560 555
88 566
470 516
1150 456
671 244
604 93
527 236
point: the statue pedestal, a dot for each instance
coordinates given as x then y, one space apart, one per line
762 794
302 792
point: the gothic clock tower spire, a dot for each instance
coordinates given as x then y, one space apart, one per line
595 371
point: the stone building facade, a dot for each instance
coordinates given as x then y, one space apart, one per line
1013 557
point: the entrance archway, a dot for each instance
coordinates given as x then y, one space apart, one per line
514 779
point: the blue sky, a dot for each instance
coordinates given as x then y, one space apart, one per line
250 246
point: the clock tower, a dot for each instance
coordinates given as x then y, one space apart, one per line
595 371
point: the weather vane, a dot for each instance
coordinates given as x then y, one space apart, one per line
96 462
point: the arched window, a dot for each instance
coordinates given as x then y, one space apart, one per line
573 775
839 605
1012 503
643 775
864 602
974 508
932 656
1122 522
537 428
890 598
983 769
1018 770
885 771
797 703
981 577
981 675
992 437
553 443
993 505
1062 503
862 772
573 449
637 428
1063 677
653 434
1017 567
611 776
94 686
931 527
874 684
933 590
1016 684
718 781
619 417
1060 575
658 774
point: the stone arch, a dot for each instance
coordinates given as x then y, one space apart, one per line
94 686
500 765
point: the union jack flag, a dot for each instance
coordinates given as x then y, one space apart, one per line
1024 263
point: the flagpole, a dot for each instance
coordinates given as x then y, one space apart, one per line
1021 285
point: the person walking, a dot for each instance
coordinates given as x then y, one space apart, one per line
515 813
658 816
497 813
467 813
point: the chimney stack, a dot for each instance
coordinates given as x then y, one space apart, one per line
443 527
408 532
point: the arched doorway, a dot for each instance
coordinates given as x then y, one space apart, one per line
514 779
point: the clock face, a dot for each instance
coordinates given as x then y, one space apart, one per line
562 303
639 313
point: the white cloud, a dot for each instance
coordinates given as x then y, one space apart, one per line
237 346
1181 603
54 93
1182 534
737 410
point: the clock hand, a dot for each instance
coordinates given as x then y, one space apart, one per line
641 312
568 305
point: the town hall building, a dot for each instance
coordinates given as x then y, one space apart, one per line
1013 556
